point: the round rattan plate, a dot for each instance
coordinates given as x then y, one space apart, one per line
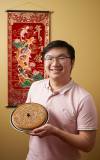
29 116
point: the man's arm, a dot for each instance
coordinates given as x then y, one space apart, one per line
84 140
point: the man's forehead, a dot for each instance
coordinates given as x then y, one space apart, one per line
58 51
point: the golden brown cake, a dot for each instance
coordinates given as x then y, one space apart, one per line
29 116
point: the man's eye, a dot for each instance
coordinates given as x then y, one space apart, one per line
61 57
49 58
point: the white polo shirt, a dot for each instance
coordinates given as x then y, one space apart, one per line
71 108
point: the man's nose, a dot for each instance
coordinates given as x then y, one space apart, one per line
55 60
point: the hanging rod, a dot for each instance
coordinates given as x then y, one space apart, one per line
28 11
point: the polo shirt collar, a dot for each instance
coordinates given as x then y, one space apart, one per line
62 90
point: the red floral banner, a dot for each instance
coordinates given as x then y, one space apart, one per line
28 33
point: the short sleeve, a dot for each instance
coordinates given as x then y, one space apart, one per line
87 114
28 100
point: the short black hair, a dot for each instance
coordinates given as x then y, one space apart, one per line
59 44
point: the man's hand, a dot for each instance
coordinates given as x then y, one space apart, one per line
43 131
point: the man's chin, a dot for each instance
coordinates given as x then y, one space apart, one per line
55 77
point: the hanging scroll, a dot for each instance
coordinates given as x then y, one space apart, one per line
28 33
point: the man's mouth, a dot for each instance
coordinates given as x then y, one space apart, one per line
56 69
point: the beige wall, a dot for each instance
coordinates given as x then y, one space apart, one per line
76 21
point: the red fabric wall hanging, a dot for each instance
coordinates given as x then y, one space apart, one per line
28 33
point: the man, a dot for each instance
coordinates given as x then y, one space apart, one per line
72 114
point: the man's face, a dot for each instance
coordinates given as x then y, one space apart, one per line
58 64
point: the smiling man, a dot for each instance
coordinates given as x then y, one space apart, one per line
72 120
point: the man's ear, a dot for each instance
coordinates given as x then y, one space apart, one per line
73 61
72 64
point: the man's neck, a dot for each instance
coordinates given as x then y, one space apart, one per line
56 85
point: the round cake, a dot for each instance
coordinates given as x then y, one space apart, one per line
29 116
